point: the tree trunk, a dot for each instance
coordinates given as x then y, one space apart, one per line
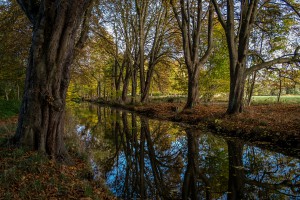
251 88
280 87
134 85
125 85
145 92
98 89
236 94
41 118
193 88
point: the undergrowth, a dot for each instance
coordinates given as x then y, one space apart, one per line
9 108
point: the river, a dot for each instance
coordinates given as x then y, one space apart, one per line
141 158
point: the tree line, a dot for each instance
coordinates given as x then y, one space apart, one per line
143 38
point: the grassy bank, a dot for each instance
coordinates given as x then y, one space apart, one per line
275 125
26 174
292 99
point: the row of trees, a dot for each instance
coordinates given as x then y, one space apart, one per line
147 37
140 36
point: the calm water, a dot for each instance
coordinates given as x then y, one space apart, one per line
141 158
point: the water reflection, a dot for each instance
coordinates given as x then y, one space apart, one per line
148 159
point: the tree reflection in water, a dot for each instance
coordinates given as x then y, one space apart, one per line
141 158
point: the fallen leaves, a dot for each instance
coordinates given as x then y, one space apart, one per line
29 175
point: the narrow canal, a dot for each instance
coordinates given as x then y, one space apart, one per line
141 158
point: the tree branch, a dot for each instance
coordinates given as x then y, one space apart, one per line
85 26
271 62
176 14
209 33
296 10
220 15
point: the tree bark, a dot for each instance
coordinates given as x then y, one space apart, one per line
133 84
193 89
237 85
251 88
280 86
125 85
98 89
145 92
128 66
41 118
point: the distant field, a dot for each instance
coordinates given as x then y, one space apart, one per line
273 99
290 99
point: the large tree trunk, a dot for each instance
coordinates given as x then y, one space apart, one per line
41 118
236 94
193 88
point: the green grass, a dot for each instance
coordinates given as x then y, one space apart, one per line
273 99
9 108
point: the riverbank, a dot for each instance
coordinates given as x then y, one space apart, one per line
26 174
275 125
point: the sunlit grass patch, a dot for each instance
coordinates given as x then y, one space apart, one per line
273 99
